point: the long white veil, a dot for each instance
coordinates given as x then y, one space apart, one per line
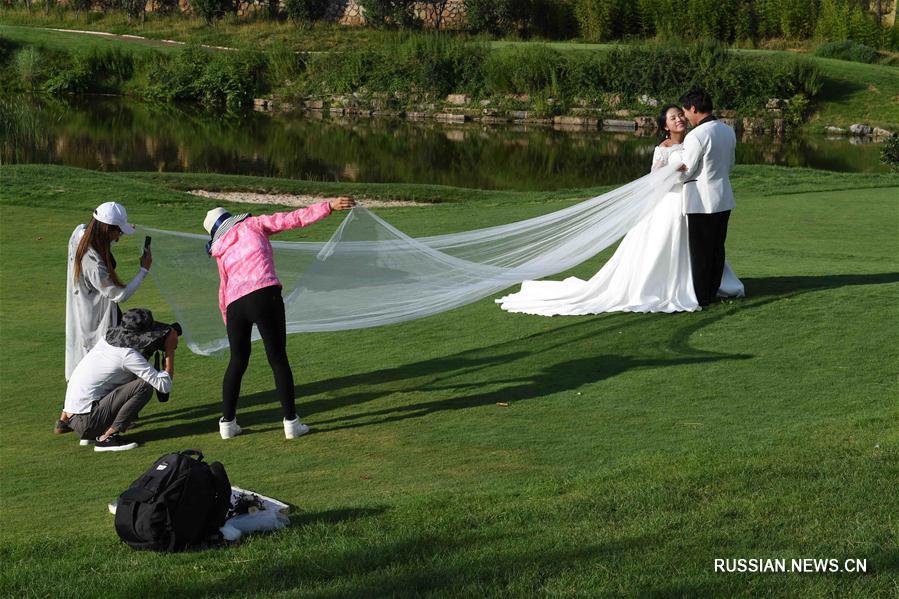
371 274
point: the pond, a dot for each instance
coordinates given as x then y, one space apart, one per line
115 134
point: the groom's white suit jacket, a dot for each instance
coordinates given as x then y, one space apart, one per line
709 157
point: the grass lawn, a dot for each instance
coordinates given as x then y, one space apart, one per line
232 32
64 40
635 449
858 93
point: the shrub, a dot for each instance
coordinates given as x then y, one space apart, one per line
848 50
166 7
231 79
524 69
305 12
283 66
389 13
228 79
553 19
434 63
81 5
594 19
135 9
210 10
441 64
29 65
505 16
344 72
175 78
99 70
889 153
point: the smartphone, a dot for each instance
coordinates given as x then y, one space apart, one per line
146 246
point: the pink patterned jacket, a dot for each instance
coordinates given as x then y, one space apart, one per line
244 254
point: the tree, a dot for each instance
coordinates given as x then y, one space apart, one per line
135 9
305 12
81 5
434 9
210 10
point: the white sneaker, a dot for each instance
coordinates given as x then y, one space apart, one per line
228 429
294 428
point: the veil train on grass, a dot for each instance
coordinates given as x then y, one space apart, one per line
371 274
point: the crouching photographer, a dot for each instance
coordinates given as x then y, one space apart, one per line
115 380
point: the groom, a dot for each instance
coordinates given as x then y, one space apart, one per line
708 196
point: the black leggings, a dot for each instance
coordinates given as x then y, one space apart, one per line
264 308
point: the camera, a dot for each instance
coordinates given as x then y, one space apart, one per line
157 351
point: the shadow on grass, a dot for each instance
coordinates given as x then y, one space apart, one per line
548 374
839 90
333 516
417 566
793 286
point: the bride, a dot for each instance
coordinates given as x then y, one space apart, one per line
650 270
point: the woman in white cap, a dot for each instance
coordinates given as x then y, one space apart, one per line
250 293
93 289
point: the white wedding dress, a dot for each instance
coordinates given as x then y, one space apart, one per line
649 272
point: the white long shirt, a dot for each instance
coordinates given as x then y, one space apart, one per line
106 367
90 304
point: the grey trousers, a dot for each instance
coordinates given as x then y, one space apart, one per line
117 410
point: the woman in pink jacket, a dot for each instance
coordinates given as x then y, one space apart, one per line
250 293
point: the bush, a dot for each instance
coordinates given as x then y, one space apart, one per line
305 12
552 19
166 7
501 17
135 9
524 69
175 78
81 5
435 64
441 64
848 50
599 20
210 10
99 70
389 13
231 79
29 65
889 153
222 79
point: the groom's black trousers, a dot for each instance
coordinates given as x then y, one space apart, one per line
707 235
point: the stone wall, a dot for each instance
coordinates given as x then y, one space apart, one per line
349 12
886 8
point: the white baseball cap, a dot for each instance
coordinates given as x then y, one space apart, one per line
113 213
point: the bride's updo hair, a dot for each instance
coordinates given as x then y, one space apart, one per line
662 120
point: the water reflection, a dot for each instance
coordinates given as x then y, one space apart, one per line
116 134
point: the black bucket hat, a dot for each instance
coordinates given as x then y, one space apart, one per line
137 330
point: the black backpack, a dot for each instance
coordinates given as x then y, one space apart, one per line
178 504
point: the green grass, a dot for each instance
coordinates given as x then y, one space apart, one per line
63 40
635 450
858 93
231 32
